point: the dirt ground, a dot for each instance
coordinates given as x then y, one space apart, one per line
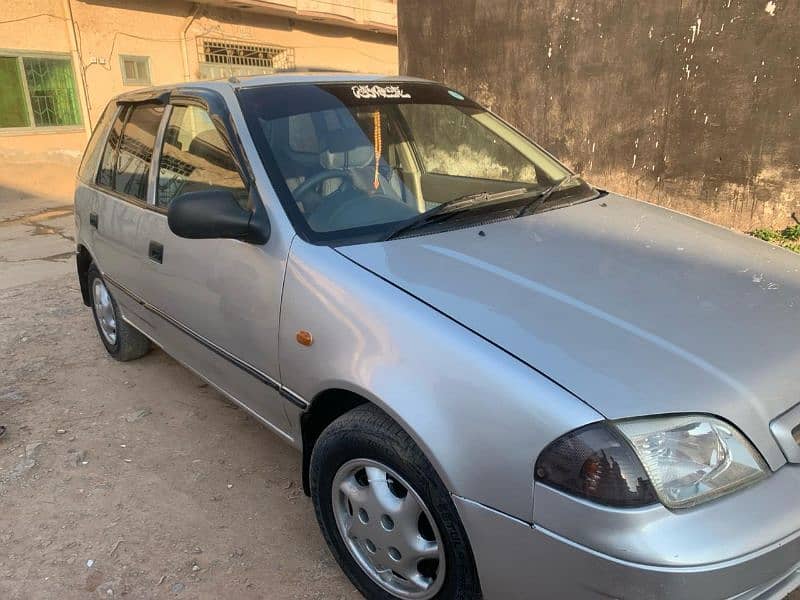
133 479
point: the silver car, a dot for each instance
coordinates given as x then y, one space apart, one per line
504 382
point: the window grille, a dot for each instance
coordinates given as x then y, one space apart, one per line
259 56
38 91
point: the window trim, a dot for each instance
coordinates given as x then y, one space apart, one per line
20 55
155 167
135 82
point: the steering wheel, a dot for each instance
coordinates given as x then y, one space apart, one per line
359 210
313 181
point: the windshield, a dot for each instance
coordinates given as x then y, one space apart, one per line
355 162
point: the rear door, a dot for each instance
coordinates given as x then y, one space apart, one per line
122 189
218 300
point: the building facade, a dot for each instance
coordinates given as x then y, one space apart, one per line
62 60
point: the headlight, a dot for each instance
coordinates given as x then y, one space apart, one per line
694 458
680 461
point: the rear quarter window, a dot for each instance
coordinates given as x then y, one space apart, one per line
91 155
108 161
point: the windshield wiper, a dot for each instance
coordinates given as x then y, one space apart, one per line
542 196
454 206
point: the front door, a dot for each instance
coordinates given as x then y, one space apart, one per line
219 299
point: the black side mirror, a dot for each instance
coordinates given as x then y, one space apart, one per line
214 214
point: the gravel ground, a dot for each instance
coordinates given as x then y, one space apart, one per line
138 479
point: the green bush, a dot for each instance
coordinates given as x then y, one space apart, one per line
792 233
789 237
768 235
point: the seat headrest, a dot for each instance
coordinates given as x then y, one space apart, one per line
346 148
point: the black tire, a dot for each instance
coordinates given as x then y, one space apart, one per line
130 344
366 432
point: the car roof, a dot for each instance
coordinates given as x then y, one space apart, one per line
280 78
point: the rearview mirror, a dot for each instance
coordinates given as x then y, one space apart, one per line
214 214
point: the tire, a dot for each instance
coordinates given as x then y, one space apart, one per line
369 436
126 343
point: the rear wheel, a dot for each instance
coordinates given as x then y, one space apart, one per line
122 341
385 514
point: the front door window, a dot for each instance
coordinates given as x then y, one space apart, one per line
195 158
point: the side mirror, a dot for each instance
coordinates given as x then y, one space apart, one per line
213 214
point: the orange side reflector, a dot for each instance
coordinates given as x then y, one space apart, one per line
304 338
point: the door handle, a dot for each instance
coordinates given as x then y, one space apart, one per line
93 220
155 252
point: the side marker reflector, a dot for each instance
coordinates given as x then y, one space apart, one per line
304 338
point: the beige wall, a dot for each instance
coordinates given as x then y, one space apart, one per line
42 29
155 28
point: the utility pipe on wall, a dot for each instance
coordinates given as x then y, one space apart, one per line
184 49
77 62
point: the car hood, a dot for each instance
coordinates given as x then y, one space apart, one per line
633 308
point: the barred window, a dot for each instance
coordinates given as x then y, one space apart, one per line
222 52
38 91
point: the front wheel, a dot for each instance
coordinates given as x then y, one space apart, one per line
386 515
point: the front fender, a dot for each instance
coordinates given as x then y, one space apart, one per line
479 415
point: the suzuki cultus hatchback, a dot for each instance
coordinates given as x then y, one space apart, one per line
503 381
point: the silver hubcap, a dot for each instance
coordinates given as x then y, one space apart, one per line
104 310
388 529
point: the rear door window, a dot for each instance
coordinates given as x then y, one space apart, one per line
136 151
195 158
125 165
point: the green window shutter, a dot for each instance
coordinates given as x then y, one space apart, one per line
13 108
53 93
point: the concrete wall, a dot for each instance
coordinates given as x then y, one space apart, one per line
694 104
43 163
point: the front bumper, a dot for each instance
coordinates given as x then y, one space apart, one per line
727 549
